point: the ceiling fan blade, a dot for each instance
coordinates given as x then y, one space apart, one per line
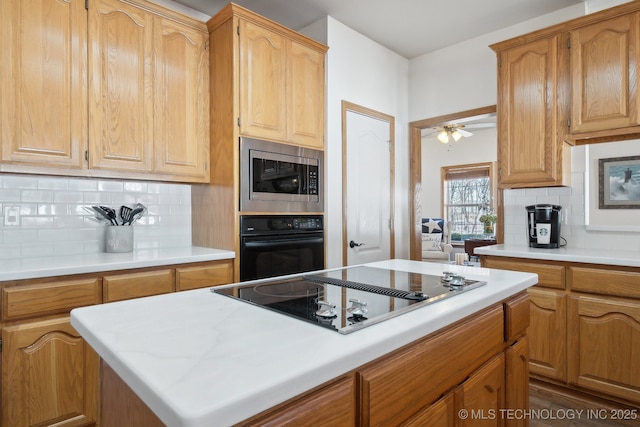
480 125
464 132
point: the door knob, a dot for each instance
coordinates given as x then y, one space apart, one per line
353 244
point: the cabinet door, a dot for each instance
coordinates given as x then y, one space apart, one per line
43 104
263 59
548 333
604 74
604 344
441 413
49 375
306 104
120 90
529 151
482 395
181 101
517 380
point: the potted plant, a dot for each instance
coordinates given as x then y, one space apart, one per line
488 219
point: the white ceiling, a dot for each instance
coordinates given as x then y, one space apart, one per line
407 27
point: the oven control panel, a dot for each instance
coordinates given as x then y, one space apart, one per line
267 224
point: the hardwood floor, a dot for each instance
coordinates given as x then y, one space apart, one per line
550 407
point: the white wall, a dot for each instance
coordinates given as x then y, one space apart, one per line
479 148
363 72
464 76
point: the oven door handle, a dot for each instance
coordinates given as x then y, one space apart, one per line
282 242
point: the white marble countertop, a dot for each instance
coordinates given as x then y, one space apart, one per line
30 268
591 256
199 359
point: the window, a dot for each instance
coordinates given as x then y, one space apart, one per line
467 194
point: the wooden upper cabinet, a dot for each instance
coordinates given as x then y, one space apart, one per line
118 89
530 151
604 75
43 103
281 77
121 97
306 97
181 101
263 58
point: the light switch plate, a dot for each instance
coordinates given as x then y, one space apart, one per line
12 215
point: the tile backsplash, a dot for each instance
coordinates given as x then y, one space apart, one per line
52 218
572 199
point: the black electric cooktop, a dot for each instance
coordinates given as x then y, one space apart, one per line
352 298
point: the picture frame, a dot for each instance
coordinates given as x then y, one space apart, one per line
619 183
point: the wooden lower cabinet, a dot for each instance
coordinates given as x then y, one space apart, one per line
332 405
482 395
547 333
584 332
604 345
441 413
49 375
201 276
517 381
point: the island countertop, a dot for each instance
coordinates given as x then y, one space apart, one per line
567 254
197 358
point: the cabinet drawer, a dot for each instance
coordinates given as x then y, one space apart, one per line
137 285
49 298
416 376
516 316
606 282
331 405
203 276
550 276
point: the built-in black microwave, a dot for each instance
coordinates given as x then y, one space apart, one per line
278 177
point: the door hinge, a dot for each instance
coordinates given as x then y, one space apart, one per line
86 4
206 45
86 155
390 224
238 121
568 43
0 344
238 29
569 123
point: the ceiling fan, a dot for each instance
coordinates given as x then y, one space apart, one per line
454 132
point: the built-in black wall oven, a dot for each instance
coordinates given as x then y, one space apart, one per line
278 177
275 245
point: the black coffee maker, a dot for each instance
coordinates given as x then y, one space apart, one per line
544 226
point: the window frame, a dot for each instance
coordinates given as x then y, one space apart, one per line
461 169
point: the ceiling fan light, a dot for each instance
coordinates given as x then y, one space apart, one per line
443 137
456 135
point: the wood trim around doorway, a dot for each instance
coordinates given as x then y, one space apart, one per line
415 172
348 106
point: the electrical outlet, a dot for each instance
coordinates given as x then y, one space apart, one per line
12 215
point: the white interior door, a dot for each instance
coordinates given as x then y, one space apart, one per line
367 189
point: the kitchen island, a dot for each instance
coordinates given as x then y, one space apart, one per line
197 358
